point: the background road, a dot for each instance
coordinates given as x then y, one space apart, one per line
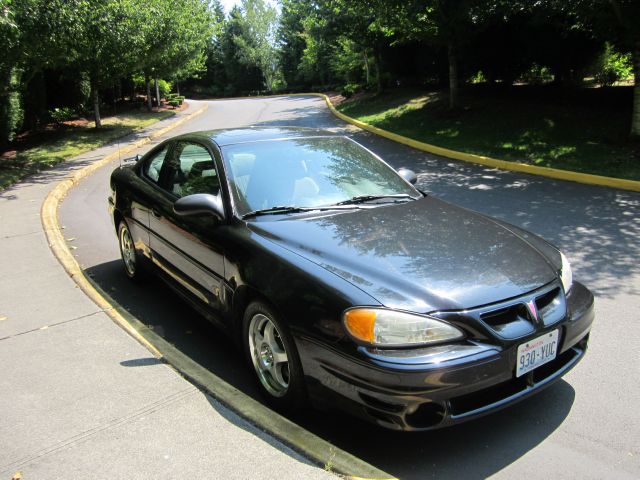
586 426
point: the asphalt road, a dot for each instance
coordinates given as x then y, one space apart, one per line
585 426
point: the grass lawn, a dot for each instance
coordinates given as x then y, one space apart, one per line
43 150
583 130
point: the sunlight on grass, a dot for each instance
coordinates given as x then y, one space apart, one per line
448 132
586 132
400 110
73 142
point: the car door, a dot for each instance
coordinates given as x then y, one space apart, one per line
186 247
141 197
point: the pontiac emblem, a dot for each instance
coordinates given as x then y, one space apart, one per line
533 310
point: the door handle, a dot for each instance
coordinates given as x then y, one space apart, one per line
156 213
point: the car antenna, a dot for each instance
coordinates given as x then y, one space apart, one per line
115 114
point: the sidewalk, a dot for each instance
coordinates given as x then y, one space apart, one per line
80 398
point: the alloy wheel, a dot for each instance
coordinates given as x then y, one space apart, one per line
269 355
127 251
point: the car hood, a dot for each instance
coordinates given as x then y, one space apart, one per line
422 256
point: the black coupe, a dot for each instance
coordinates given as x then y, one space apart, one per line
344 284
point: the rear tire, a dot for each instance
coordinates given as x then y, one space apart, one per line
130 258
272 354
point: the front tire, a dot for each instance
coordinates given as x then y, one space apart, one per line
272 354
128 254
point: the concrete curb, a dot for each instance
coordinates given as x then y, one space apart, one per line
567 175
309 445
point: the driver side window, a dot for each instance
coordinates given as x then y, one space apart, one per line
194 171
153 166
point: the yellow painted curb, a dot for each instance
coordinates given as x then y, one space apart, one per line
567 175
49 217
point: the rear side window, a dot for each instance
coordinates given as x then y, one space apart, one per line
153 165
194 172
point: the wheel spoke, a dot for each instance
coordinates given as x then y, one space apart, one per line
276 372
269 336
279 356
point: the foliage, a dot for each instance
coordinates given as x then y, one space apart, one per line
350 89
537 75
11 112
612 66
164 87
60 115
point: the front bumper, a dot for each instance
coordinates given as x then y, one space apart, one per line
424 389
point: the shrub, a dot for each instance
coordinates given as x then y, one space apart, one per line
59 115
174 103
350 89
537 75
11 113
164 87
612 66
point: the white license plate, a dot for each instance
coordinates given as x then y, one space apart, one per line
536 352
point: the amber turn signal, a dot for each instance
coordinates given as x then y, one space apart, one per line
360 323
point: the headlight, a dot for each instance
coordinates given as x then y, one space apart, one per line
565 274
389 328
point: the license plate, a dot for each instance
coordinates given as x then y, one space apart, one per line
536 352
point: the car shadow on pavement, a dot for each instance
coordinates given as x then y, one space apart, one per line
473 450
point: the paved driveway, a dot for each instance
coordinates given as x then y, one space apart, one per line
586 426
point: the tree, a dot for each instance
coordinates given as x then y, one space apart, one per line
256 43
107 43
35 34
175 37
627 15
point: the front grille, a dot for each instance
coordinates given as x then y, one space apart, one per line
551 306
509 322
519 317
514 318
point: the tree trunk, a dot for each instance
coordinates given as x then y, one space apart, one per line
366 67
376 64
96 104
147 84
178 88
635 117
157 92
453 77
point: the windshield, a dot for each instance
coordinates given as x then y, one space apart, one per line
307 172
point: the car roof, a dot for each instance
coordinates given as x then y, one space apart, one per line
230 136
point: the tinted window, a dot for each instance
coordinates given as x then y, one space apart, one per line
194 172
154 164
306 172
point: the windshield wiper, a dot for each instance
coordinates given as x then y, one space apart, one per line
287 209
367 198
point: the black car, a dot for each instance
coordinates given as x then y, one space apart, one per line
344 284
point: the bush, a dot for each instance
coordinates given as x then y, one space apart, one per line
11 114
537 75
174 103
612 66
59 115
350 89
164 87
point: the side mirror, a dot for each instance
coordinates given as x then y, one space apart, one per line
131 160
200 204
409 175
